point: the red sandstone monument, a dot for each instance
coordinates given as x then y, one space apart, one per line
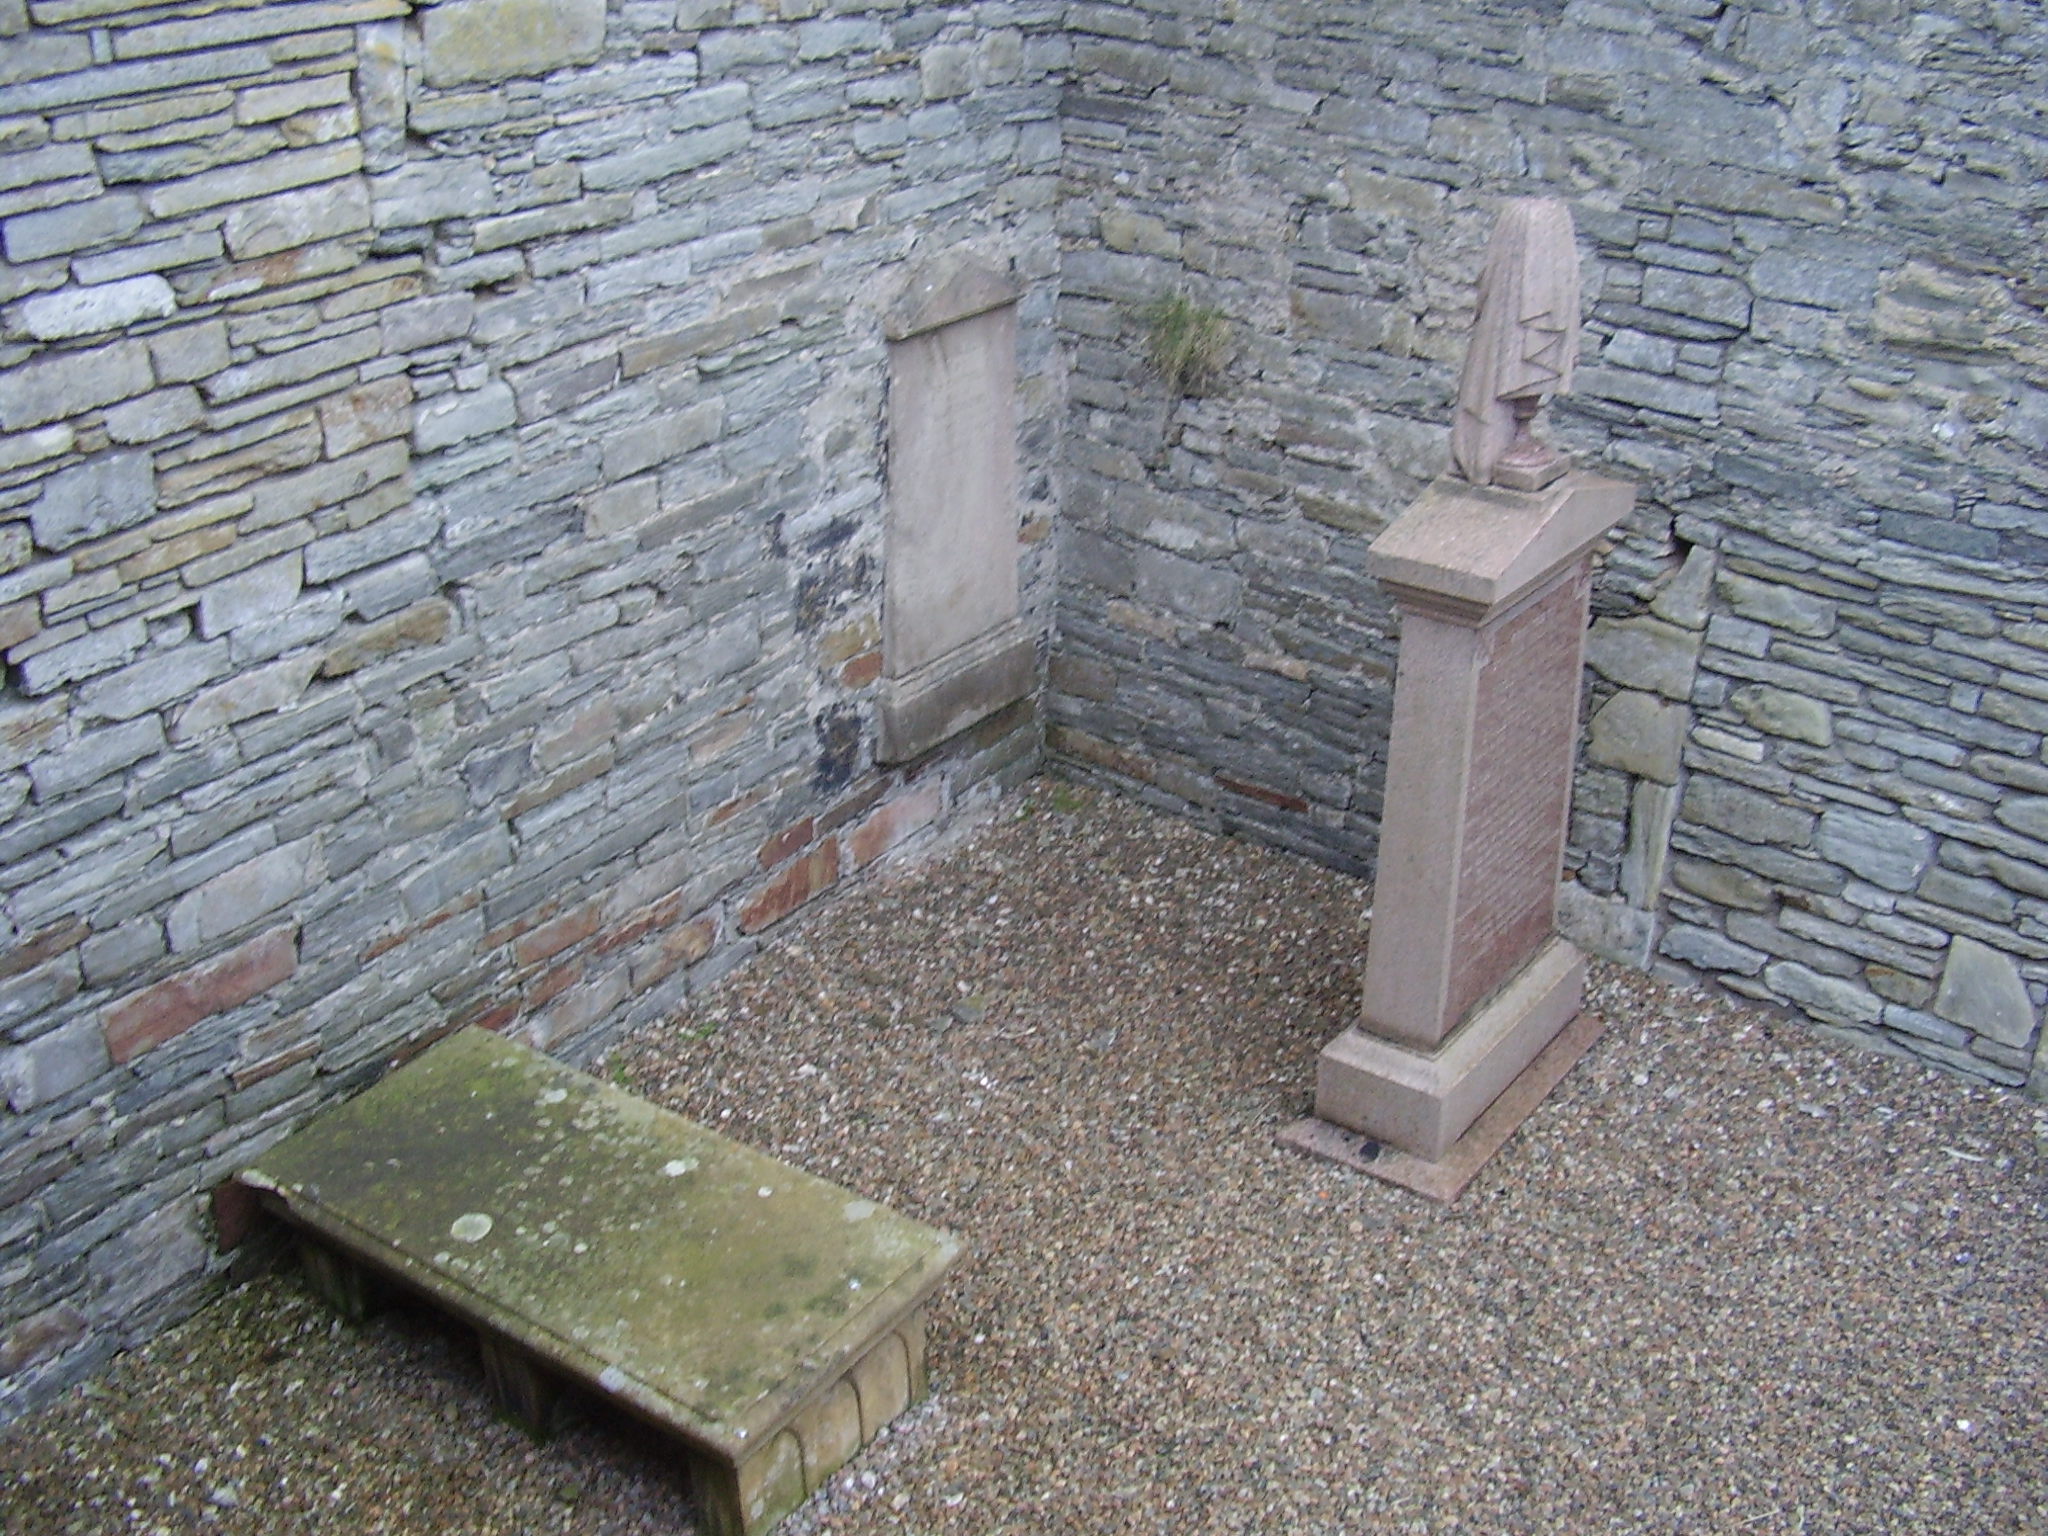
1469 989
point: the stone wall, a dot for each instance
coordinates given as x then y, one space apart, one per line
441 491
442 505
1814 767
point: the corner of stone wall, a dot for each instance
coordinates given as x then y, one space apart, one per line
440 515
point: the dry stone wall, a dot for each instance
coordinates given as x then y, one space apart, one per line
442 505
440 544
1814 761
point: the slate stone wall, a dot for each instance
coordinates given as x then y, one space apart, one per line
441 483
440 533
1814 764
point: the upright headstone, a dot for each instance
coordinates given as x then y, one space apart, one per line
954 648
1467 980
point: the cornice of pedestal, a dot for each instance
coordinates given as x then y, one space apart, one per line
1473 553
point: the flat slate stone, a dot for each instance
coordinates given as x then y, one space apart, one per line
770 1318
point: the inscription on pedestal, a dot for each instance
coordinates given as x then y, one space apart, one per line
1526 719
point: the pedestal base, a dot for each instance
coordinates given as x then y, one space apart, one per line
1445 1178
1421 1102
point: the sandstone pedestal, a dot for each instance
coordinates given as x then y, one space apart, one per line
1466 980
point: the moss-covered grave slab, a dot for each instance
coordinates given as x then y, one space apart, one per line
772 1320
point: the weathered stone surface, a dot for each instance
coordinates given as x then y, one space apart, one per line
40 1336
63 384
154 417
426 623
1710 951
156 680
2023 876
466 41
891 824
1830 997
1646 654
52 1065
1885 850
426 192
144 1260
2026 813
1697 296
248 597
94 756
946 70
188 353
446 420
30 448
1779 712
1684 598
105 494
1653 808
1613 930
376 412
1747 814
665 953
239 896
807 877
87 311
72 227
288 219
1982 898
1776 606
1723 884
166 1010
813 1300
280 370
81 656
1981 990
663 439
276 172
1639 734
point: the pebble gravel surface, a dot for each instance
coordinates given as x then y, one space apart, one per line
1730 1277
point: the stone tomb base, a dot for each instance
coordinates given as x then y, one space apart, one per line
772 1321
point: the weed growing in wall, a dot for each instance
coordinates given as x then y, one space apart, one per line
1189 343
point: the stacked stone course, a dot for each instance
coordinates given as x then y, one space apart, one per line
1814 756
440 522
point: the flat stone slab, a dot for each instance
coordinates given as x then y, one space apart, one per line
772 1320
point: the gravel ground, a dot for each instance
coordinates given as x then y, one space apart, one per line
1728 1278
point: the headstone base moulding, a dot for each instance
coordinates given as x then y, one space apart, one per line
954 691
